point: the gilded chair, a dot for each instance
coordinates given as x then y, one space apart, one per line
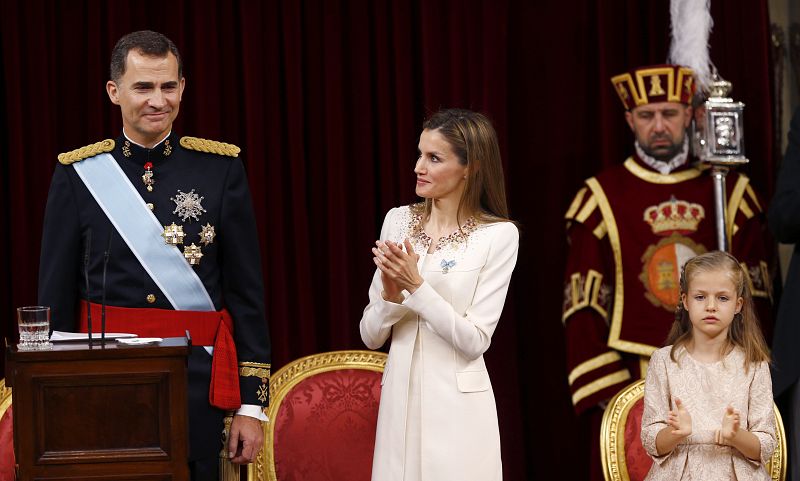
7 462
624 457
323 414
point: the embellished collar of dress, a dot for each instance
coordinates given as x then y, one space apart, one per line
456 239
157 154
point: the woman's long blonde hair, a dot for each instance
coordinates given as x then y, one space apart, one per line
744 331
474 141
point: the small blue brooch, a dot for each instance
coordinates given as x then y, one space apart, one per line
447 265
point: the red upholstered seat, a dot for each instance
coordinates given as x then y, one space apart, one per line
325 427
636 458
323 414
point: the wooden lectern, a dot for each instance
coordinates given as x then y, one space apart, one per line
101 413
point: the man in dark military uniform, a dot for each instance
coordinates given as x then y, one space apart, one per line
174 219
630 230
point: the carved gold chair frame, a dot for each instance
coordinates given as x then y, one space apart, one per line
282 382
5 397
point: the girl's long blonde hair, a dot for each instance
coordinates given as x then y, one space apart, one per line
745 330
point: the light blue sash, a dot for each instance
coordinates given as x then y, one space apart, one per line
140 229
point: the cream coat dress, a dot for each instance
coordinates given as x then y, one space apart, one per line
706 389
437 419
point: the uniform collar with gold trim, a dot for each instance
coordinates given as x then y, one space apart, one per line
637 168
135 152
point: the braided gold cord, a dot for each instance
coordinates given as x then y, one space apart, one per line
210 146
86 152
255 369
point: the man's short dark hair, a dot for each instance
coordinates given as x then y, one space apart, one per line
146 42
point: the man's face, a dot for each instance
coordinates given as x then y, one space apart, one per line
660 128
149 96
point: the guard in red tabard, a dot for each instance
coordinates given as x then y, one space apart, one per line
630 229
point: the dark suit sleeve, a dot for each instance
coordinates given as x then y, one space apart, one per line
784 221
59 261
784 211
243 286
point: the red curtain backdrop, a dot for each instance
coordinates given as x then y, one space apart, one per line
326 98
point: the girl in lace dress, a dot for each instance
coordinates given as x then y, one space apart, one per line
708 396
443 270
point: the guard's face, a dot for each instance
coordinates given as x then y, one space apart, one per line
439 173
149 95
660 128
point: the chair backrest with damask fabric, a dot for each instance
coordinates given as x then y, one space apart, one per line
322 418
7 461
624 457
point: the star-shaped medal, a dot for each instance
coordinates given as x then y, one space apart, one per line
188 205
173 234
207 234
192 254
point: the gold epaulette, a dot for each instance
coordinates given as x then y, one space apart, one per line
210 146
85 152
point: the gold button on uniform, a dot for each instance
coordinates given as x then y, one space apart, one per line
151 298
150 206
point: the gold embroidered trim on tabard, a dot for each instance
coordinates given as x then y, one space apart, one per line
656 178
601 230
619 287
585 293
763 288
600 384
586 210
576 202
753 197
745 208
210 146
734 202
85 152
592 364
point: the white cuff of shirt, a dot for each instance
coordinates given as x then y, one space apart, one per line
253 411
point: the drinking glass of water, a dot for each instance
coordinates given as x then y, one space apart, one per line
34 328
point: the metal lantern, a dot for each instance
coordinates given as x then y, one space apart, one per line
723 127
719 142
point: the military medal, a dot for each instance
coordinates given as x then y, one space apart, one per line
188 205
173 234
207 234
147 177
192 254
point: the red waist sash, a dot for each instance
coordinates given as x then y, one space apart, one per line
207 328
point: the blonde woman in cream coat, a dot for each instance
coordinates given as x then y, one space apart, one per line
443 270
